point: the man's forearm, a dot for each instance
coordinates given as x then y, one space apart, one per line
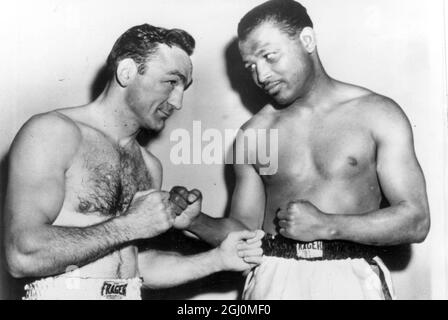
399 224
51 249
214 230
168 269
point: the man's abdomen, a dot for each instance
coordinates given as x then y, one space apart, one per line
332 197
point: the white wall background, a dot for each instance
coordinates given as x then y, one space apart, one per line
51 51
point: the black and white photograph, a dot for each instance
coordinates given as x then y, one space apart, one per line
237 150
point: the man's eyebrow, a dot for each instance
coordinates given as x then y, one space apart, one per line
182 78
260 50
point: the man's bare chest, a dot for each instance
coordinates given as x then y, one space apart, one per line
104 179
323 151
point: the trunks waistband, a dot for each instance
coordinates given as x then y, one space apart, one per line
279 246
74 288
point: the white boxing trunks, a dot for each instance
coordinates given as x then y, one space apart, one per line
317 271
75 288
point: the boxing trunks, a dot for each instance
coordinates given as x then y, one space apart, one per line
319 270
75 288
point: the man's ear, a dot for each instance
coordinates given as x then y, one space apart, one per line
126 71
308 39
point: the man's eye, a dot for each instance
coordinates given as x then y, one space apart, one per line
270 56
250 67
172 82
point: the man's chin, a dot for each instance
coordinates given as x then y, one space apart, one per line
160 127
156 127
282 102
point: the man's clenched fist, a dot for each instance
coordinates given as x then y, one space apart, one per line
186 205
150 213
302 221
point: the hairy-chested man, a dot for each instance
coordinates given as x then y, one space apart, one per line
340 148
82 190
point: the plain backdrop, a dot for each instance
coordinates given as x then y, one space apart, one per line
52 52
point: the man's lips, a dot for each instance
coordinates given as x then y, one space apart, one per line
271 87
167 114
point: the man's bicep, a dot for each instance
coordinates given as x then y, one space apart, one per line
34 201
248 200
36 180
399 172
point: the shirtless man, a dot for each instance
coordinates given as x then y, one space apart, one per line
82 190
340 148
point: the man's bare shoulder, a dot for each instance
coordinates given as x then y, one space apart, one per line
369 103
51 124
382 115
380 109
50 132
261 120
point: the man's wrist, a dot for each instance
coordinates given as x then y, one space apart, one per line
330 227
217 259
123 229
195 222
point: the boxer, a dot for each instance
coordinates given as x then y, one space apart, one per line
342 148
82 191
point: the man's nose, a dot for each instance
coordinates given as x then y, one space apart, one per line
263 74
176 98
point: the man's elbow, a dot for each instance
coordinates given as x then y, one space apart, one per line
421 225
21 262
18 264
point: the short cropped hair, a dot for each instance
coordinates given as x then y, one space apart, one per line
142 41
290 16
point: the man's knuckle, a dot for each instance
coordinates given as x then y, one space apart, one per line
138 194
154 196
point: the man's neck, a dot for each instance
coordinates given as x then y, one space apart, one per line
319 90
113 117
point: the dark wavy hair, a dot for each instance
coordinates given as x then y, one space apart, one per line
142 41
290 16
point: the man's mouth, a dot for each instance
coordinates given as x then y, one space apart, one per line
272 87
165 114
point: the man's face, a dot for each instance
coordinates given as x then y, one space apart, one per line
278 63
154 95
